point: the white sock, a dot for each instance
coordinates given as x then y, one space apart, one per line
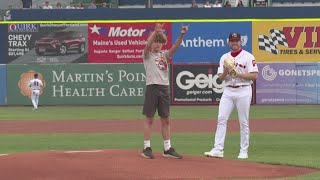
166 145
147 144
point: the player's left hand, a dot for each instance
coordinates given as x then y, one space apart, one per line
184 28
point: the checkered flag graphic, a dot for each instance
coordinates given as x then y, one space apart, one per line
269 43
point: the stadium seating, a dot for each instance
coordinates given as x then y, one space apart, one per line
142 2
283 3
131 2
172 1
295 1
184 3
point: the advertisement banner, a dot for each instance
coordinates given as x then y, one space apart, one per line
207 42
287 83
121 42
318 84
47 43
3 84
307 83
195 84
297 41
87 84
3 46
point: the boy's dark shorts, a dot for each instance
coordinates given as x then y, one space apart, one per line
156 98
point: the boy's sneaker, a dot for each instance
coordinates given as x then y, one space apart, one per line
147 153
171 153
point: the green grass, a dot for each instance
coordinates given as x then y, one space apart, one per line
294 149
272 148
313 176
134 112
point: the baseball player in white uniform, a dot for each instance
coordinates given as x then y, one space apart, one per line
237 93
35 85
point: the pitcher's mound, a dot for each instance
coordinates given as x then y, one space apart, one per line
128 164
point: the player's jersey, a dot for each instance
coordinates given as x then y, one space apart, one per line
245 63
35 84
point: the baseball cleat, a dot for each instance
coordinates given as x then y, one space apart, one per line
214 153
243 156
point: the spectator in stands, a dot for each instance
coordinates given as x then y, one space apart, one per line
26 3
217 4
59 6
92 6
240 4
194 4
80 5
104 5
70 6
7 16
227 4
46 5
207 4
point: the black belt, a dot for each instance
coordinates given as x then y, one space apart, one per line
236 86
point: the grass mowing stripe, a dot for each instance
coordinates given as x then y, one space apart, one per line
313 176
272 148
135 112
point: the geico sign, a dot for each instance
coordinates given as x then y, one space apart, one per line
201 81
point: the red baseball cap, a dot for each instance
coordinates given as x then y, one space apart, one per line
234 37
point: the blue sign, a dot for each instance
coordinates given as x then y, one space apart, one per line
3 84
3 46
207 42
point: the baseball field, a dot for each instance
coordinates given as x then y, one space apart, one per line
104 142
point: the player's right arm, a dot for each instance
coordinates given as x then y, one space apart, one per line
151 39
222 71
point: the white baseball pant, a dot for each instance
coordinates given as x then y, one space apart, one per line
35 98
241 99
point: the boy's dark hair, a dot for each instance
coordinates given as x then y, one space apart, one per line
160 38
35 75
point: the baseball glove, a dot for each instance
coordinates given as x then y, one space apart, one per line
231 67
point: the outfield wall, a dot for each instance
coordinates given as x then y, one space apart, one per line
288 83
269 41
3 84
124 84
74 84
287 53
